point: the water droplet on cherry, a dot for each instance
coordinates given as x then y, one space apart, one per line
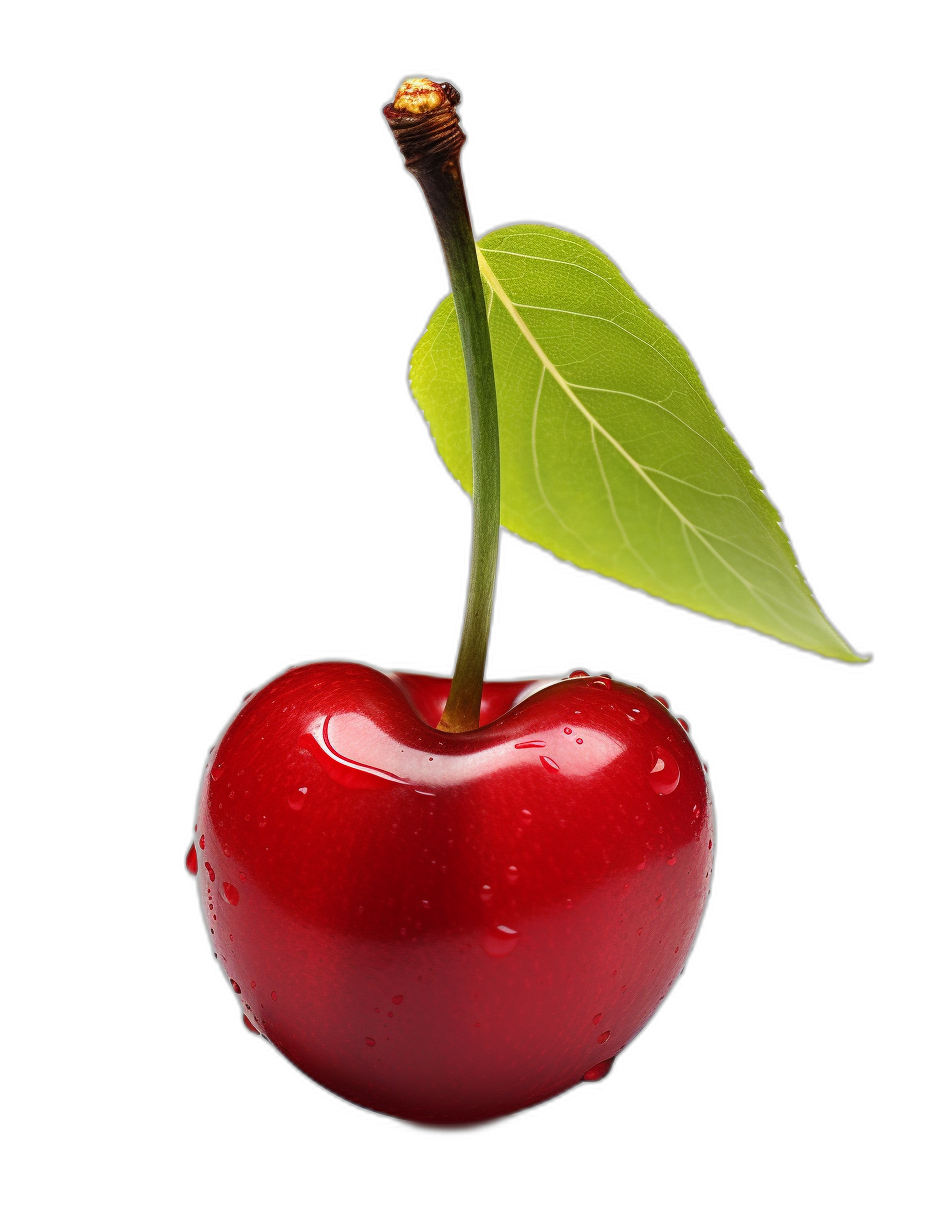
202 842
216 772
500 941
637 714
549 763
210 870
530 744
398 999
297 798
602 682
486 893
234 985
577 674
249 1024
665 773
230 893
596 1072
568 731
663 701
370 1043
597 1019
601 1039
683 723
191 860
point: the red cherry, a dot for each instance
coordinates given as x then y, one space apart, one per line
460 868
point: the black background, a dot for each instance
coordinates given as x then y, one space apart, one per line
305 514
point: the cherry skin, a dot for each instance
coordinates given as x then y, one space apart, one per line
450 927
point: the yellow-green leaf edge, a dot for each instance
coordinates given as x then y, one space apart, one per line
439 386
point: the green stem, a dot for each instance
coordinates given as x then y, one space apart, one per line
431 140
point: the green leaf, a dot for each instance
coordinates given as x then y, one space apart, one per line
613 455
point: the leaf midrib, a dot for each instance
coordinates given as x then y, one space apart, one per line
634 310
497 288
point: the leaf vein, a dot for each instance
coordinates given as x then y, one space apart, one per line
544 496
550 367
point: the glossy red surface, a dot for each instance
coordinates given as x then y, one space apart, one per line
450 927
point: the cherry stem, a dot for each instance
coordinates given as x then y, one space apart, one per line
425 124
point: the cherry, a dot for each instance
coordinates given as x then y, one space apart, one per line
450 926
